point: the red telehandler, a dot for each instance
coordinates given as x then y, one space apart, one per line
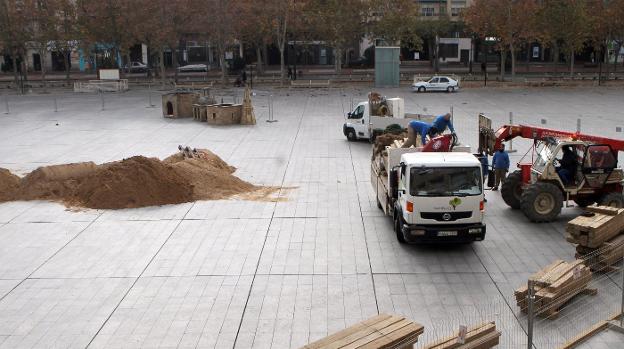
537 189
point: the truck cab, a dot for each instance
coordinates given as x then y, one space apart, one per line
437 197
357 124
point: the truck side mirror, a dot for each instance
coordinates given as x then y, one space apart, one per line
349 115
393 178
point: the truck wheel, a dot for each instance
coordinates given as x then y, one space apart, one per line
612 199
397 229
584 202
351 135
542 202
422 89
511 189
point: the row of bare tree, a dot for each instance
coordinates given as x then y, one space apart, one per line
65 25
566 26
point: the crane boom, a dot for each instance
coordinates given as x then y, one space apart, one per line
508 132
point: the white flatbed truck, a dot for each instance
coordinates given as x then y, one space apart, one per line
432 197
365 122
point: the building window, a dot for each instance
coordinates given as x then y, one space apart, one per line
448 51
428 11
455 11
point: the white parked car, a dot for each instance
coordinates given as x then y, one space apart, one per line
193 67
436 83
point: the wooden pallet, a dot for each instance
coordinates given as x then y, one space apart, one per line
604 257
601 225
554 286
381 331
483 336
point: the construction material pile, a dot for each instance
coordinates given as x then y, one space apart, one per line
134 182
387 139
483 336
599 236
554 286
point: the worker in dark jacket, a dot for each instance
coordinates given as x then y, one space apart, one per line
567 166
415 128
500 163
441 122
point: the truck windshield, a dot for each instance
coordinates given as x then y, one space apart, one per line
445 181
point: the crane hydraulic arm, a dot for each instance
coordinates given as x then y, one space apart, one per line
508 132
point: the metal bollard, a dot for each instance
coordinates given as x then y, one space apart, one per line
578 125
6 104
55 105
531 315
511 149
622 305
102 97
149 95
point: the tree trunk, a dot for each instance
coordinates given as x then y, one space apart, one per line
163 73
259 67
43 70
66 64
338 59
617 55
436 58
528 57
281 50
502 64
513 61
176 64
572 64
15 72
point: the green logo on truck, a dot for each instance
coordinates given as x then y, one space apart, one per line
455 202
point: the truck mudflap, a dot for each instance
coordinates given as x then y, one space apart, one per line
443 234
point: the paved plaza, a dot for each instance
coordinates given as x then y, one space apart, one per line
261 274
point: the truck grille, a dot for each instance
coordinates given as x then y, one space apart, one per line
446 216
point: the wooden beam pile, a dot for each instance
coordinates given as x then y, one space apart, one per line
604 257
483 336
599 226
381 331
554 286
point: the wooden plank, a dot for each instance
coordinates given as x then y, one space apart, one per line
387 337
488 341
348 331
403 337
606 210
472 334
363 332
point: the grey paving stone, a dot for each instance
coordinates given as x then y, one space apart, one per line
319 199
6 286
26 246
239 209
315 246
58 313
185 312
109 249
211 247
49 212
10 210
292 310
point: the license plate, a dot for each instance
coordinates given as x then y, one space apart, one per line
447 233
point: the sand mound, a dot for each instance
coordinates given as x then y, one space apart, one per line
134 182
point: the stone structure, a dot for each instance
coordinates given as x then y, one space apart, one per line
179 104
248 117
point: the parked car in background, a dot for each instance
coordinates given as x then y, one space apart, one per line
193 68
436 83
136 67
361 62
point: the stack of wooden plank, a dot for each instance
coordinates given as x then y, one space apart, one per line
483 336
604 257
381 331
554 286
600 225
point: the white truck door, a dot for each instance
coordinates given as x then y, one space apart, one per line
359 120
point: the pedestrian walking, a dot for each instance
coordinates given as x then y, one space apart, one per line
500 162
289 73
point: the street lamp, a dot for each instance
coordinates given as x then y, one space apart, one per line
489 40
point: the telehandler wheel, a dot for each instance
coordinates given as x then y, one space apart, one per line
542 202
612 199
511 189
397 228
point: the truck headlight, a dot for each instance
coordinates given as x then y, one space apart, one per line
474 230
418 232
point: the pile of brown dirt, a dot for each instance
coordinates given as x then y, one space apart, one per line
134 182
